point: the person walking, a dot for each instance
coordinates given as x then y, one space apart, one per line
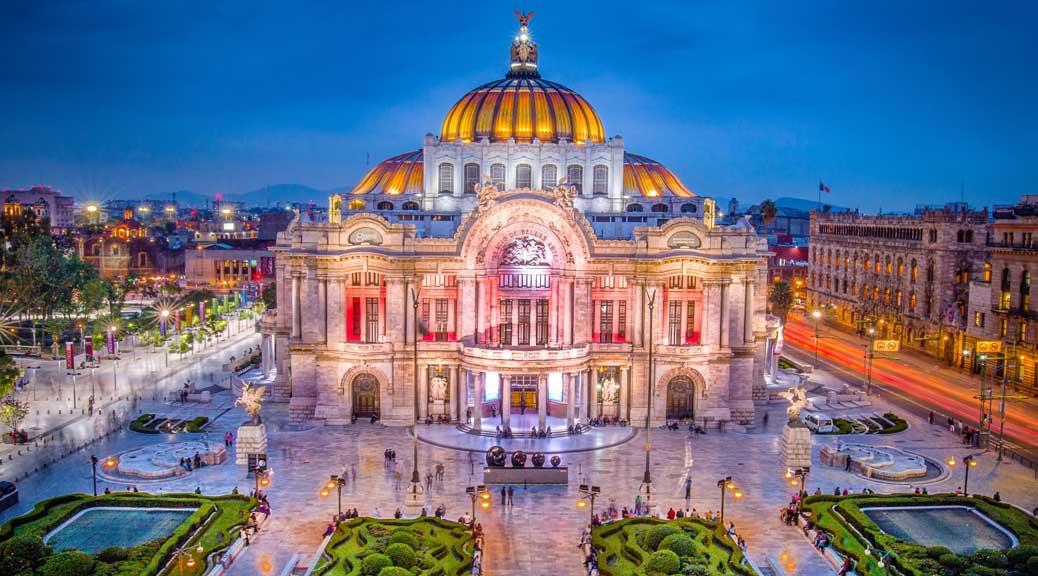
504 496
511 496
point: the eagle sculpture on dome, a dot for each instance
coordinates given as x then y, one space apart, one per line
524 19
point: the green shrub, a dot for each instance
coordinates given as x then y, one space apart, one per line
1032 566
663 561
395 571
68 563
428 561
953 562
372 564
196 424
653 536
23 554
404 536
680 544
990 558
401 554
113 554
936 552
1019 555
695 570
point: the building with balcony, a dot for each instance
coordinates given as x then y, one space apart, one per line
906 275
531 265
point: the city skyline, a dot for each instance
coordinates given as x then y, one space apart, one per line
890 107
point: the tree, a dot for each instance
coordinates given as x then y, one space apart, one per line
768 211
8 374
13 413
781 299
270 296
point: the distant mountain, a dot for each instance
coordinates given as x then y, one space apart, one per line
280 193
806 205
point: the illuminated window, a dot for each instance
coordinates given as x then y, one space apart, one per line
914 271
600 180
900 267
1025 291
911 301
471 178
1003 327
575 176
1022 333
384 205
635 208
987 271
356 204
410 205
497 175
549 175
523 176
446 178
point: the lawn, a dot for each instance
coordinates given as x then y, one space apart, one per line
213 526
639 546
853 531
423 546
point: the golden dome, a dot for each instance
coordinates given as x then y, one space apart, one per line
647 177
397 175
523 108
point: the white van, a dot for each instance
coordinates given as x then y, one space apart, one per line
818 422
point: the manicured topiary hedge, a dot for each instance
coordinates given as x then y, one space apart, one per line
634 545
424 546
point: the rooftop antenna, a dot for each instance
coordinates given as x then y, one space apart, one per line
367 159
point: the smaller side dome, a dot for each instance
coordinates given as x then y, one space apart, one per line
650 179
401 174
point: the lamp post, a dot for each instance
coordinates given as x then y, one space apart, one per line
93 466
881 556
726 484
968 462
165 348
817 315
115 370
181 553
478 493
798 477
647 476
261 475
336 481
588 495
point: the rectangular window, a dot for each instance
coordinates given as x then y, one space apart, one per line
1004 299
424 323
1022 335
523 176
504 328
600 180
690 324
1003 327
549 176
542 322
674 323
446 178
524 322
355 324
471 178
621 320
575 177
441 319
371 317
605 321
497 175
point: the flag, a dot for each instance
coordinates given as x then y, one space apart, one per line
823 188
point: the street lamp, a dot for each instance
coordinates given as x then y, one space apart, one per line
261 474
478 493
798 477
968 462
336 482
647 477
183 557
881 556
726 484
115 370
817 315
588 495
165 348
93 466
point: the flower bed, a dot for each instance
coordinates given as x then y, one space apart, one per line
637 546
213 526
423 546
853 532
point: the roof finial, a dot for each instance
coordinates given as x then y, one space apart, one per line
524 50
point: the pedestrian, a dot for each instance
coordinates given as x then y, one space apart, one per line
765 419
504 496
931 416
398 514
376 513
428 482
847 565
511 496
353 472
837 492
997 497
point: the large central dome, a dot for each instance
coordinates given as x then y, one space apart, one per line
523 108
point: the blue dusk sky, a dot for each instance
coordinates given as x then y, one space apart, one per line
890 103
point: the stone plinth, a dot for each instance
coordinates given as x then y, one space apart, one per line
414 499
252 439
796 447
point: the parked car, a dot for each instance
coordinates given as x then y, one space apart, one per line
8 495
818 422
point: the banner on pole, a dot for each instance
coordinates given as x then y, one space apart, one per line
110 340
70 355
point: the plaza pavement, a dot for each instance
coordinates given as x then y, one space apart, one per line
538 535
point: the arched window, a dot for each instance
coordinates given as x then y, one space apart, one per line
877 264
1005 297
888 268
523 176
356 204
688 208
1025 291
114 251
549 175
600 180
900 267
497 175
410 205
960 236
384 205
96 249
471 177
987 271
575 176
635 208
911 301
660 208
914 273
446 178
142 259
969 236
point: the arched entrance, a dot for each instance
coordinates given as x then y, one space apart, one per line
365 396
680 398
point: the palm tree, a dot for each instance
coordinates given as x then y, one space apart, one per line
781 299
767 213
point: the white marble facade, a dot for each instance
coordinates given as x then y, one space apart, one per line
523 303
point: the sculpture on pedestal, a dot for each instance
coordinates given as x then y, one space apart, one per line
252 399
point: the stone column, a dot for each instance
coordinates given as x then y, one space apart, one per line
335 313
422 379
265 354
582 311
481 318
567 311
505 396
638 311
710 322
322 310
571 400
466 300
296 324
747 313
624 401
397 314
456 394
553 313
726 321
591 400
542 401
477 402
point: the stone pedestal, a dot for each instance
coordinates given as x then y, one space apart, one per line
414 498
796 447
252 439
648 494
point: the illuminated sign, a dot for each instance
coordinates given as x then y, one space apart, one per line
886 345
989 346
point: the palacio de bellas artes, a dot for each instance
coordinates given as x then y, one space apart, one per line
524 264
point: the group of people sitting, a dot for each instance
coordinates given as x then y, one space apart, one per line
192 463
441 419
692 427
588 549
477 554
606 421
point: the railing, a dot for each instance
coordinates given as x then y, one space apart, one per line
572 353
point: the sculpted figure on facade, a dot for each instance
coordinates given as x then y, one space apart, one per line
438 389
487 194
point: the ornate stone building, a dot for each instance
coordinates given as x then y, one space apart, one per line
906 275
535 263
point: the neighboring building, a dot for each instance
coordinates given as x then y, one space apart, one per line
273 222
788 263
45 202
230 265
1004 309
126 249
908 275
526 296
